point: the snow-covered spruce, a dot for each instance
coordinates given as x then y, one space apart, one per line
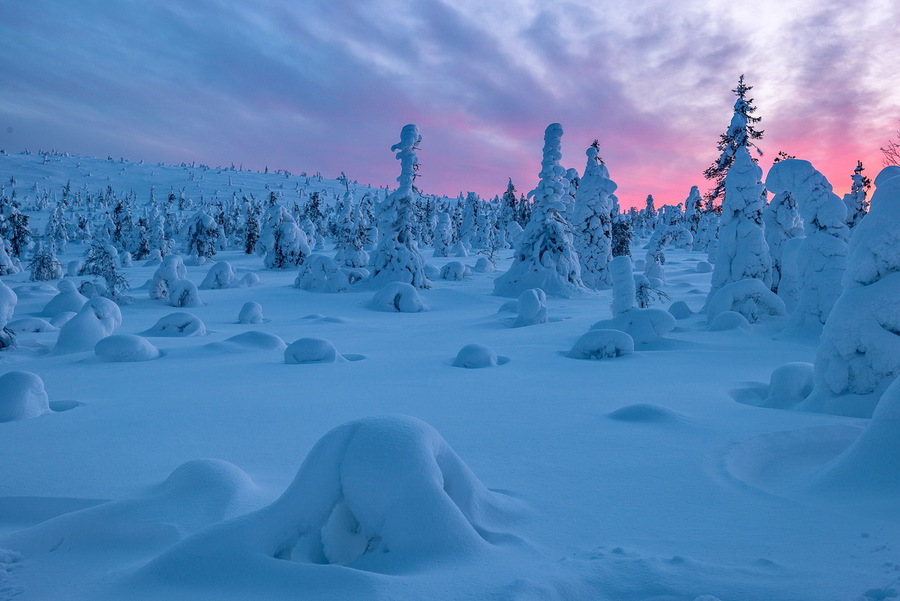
782 221
545 257
97 319
822 256
592 221
859 352
177 325
531 308
397 258
169 271
8 300
443 236
477 356
184 293
454 270
675 235
398 296
100 260
855 200
602 344
369 486
742 252
282 243
22 396
220 275
120 348
623 287
751 298
312 350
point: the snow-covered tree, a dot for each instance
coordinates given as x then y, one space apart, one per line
822 257
443 236
282 243
545 257
782 223
592 221
742 252
859 353
693 210
856 202
100 260
56 231
350 236
44 265
201 236
740 134
397 258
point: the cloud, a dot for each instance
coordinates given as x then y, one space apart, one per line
326 86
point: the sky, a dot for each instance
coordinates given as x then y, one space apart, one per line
326 85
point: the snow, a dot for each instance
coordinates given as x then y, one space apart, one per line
312 350
125 348
177 325
398 296
22 396
477 356
602 344
633 478
251 313
98 318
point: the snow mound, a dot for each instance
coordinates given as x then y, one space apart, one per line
22 396
319 273
398 296
789 385
170 270
216 481
122 348
252 340
249 281
97 319
645 413
455 270
531 307
31 324
703 267
750 297
8 300
483 265
62 319
872 463
312 350
251 313
432 272
220 275
728 320
177 325
184 293
68 299
378 494
34 290
602 344
680 310
643 325
475 356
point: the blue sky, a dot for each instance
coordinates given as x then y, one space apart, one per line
327 85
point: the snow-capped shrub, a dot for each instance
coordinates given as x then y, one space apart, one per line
220 275
623 287
249 280
22 396
177 325
643 325
432 271
311 350
31 324
125 348
531 308
97 319
459 250
680 310
476 356
125 260
251 313
170 270
789 384
483 265
602 344
8 300
455 270
728 320
320 273
751 298
184 293
398 296
154 259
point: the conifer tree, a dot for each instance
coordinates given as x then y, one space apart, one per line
592 220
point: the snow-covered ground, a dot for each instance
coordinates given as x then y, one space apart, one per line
646 476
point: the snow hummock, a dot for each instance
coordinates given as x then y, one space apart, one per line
312 350
177 325
125 348
220 275
68 299
602 344
531 308
251 313
22 396
643 325
97 319
398 296
749 297
475 356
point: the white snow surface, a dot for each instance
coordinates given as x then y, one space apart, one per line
630 479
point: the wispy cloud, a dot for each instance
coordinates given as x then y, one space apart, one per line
326 86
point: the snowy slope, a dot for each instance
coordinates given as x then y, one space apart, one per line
633 478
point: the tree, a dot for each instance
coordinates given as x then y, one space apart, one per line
44 265
742 252
740 134
397 257
782 223
201 233
100 260
592 220
545 257
891 151
856 202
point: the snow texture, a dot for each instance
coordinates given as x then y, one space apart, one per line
97 319
22 396
602 344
